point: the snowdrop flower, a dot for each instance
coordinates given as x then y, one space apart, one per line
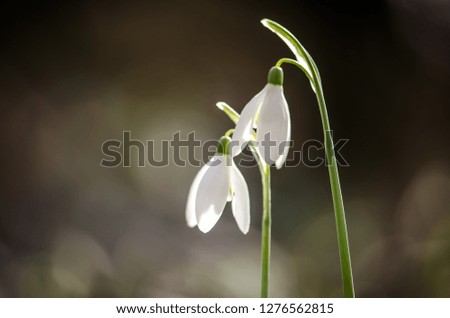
218 182
268 112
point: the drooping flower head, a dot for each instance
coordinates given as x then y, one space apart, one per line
218 182
268 112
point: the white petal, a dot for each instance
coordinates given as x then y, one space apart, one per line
243 131
241 200
190 205
282 159
274 119
212 194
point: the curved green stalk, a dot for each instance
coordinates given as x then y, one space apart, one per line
264 169
308 66
294 62
229 132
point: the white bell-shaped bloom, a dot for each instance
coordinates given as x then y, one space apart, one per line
218 182
268 112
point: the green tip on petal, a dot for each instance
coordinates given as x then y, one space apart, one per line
222 146
275 76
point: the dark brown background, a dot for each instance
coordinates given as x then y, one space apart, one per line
75 75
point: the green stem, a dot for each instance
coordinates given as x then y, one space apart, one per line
264 169
229 132
265 238
306 63
338 202
294 62
336 192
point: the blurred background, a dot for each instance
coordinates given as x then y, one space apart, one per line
73 75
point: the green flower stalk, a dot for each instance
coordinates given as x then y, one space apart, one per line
305 62
264 170
268 112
